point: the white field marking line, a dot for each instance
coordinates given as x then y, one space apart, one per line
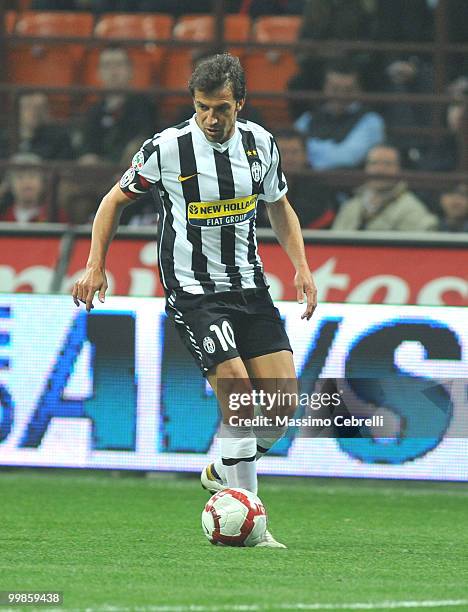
383 605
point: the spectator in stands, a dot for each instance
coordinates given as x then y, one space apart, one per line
444 154
458 88
27 187
411 75
322 20
384 203
414 21
341 132
402 73
118 118
403 21
36 133
80 202
457 64
454 206
313 203
142 213
4 143
457 22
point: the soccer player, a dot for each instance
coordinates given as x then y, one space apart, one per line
208 174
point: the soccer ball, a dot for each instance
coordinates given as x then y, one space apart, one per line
234 517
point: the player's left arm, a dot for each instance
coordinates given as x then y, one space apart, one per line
286 226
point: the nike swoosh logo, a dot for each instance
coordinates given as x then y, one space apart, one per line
181 178
134 189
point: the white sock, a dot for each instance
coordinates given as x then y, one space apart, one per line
238 448
264 444
266 436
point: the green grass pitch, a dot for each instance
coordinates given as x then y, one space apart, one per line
134 543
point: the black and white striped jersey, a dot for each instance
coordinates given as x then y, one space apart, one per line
208 195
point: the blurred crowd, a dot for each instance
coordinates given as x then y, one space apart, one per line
339 132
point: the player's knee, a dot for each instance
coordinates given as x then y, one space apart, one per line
288 397
234 390
232 368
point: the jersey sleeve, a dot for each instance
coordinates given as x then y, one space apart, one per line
144 172
274 183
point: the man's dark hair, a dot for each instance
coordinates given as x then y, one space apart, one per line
342 65
217 72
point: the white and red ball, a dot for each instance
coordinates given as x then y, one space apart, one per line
234 517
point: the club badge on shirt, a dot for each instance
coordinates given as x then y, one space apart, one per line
256 171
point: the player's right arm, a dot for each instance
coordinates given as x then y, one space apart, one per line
137 180
105 225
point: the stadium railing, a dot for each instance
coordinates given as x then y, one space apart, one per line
103 178
66 237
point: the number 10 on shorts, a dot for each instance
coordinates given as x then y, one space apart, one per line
225 335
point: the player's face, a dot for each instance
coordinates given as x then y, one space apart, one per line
217 113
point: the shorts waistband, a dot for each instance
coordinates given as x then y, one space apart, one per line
235 296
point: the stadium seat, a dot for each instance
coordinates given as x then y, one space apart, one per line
201 28
48 64
270 73
10 21
277 28
133 26
272 69
43 66
54 23
40 65
198 28
175 75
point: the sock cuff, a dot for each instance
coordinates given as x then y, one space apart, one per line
228 461
236 447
